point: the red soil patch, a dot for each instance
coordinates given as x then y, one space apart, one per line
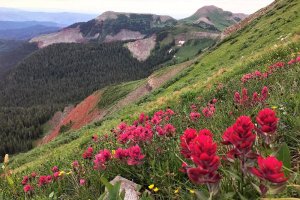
83 114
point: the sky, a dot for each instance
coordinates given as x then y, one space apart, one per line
175 8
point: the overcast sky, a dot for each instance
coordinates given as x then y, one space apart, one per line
175 8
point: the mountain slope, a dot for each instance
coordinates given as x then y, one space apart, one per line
216 75
26 33
11 52
106 27
214 18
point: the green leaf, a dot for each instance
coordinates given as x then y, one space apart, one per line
284 155
51 195
106 183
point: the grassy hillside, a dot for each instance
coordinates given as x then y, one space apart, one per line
215 75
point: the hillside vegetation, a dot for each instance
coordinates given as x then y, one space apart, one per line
57 76
263 57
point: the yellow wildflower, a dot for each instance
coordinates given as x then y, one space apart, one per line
61 173
113 152
155 189
176 191
6 158
69 173
274 107
192 191
151 186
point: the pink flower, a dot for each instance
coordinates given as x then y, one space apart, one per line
237 98
25 180
28 188
264 93
135 155
255 98
298 59
101 158
121 154
55 169
194 116
82 182
75 164
160 131
169 129
88 154
95 138
291 62
33 174
56 175
43 180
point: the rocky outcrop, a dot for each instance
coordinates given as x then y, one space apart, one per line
124 35
141 49
70 35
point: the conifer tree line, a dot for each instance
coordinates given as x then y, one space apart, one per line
58 75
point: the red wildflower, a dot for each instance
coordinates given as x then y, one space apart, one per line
267 120
88 154
101 158
298 59
237 97
203 153
194 116
264 93
55 169
185 139
227 134
169 129
255 98
122 126
28 188
170 112
33 174
121 154
75 164
56 175
135 155
43 180
291 62
240 136
205 132
160 131
25 180
199 176
245 96
95 138
209 111
269 169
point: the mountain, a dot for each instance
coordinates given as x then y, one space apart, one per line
26 33
11 52
61 18
214 18
108 27
12 25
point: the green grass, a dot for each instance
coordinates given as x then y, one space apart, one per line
224 65
193 48
112 94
